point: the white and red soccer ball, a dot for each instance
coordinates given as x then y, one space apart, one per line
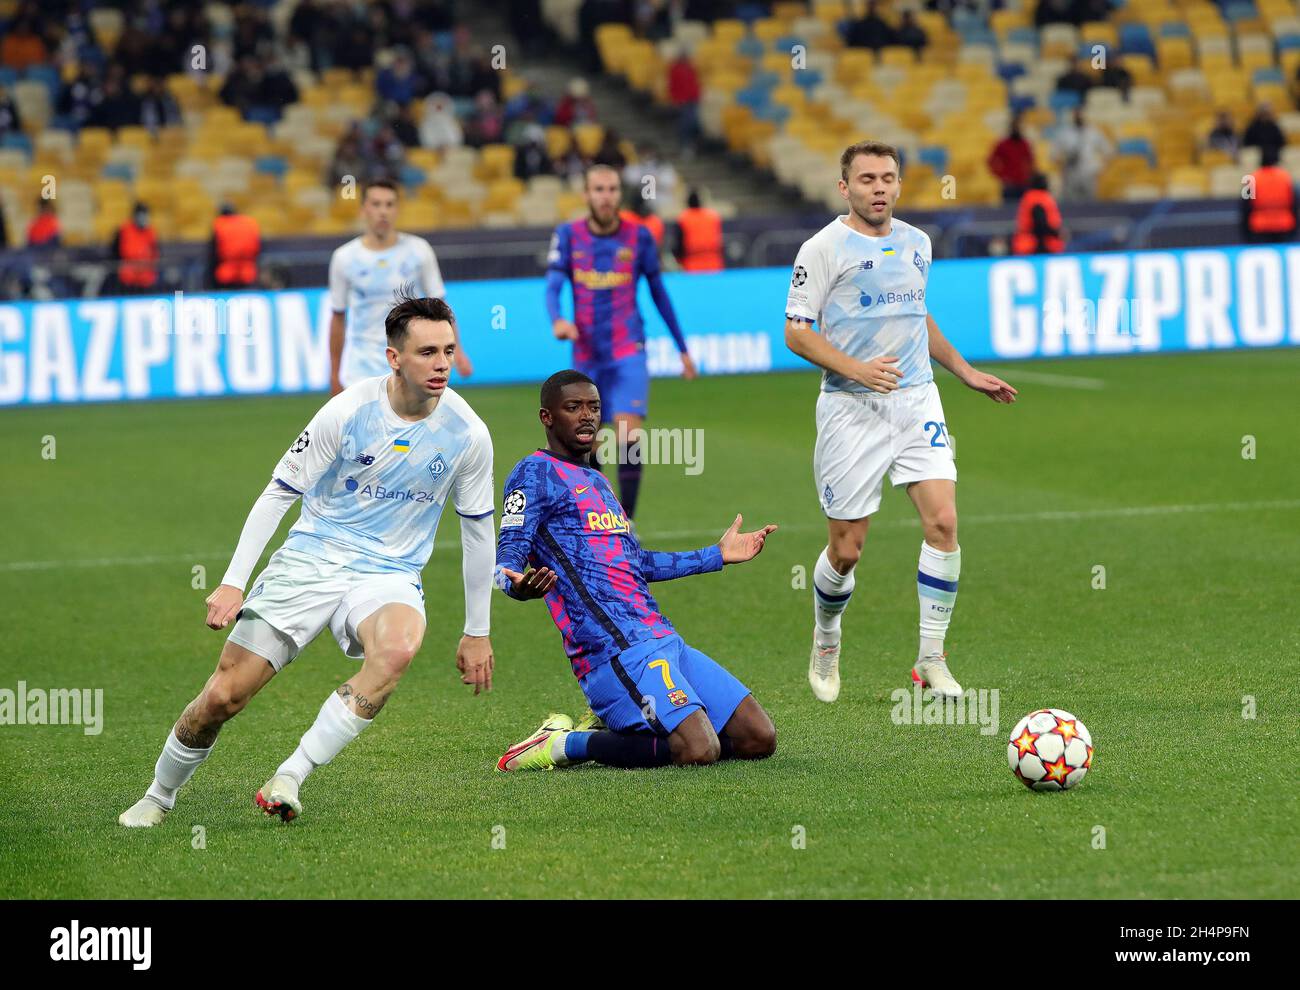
1050 750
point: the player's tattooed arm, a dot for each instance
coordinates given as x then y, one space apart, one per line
363 705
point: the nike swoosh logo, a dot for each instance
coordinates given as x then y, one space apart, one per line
579 491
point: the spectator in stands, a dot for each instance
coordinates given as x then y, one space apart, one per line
80 97
278 90
439 127
576 106
1262 132
698 238
910 33
610 151
1078 80
158 108
684 95
529 102
136 249
1038 221
44 230
1223 137
1054 12
592 14
317 28
530 156
386 152
10 121
119 107
399 82
486 123
243 86
23 45
1012 162
1082 151
870 30
1116 76
353 46
649 166
1269 215
404 126
235 247
349 160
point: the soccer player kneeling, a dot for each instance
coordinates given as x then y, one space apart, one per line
374 469
654 700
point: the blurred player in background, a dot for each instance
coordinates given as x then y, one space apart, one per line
603 256
654 700
862 279
373 468
366 275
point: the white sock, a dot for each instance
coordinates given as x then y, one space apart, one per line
936 586
176 764
831 593
335 727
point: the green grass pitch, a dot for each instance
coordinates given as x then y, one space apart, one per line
1142 474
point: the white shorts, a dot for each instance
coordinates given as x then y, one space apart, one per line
299 595
860 436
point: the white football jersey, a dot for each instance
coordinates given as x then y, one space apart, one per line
373 485
867 296
364 284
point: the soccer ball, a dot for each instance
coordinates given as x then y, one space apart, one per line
1050 750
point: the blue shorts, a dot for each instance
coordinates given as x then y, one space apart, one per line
654 685
624 385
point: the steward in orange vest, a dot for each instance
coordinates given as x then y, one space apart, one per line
136 248
645 218
1038 221
699 248
1270 216
236 244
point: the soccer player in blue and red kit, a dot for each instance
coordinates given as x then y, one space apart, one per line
603 256
654 700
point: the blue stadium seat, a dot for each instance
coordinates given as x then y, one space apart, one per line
775 112
412 176
809 78
981 35
1135 39
1267 74
17 140
49 75
1066 99
1238 10
1024 36
1010 70
271 165
262 115
1137 146
1175 29
1021 103
764 80
754 97
118 170
7 76
787 42
750 47
1288 42
934 155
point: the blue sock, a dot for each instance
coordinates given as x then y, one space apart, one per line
575 746
627 749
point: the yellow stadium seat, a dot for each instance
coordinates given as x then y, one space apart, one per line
1173 53
558 141
588 138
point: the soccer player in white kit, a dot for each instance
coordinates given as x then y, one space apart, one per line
862 280
374 469
365 276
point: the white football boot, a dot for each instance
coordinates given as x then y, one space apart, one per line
145 813
932 672
279 796
824 671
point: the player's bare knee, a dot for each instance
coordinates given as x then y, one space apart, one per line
941 529
220 702
844 555
698 753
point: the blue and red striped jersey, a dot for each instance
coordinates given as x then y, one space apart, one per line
561 514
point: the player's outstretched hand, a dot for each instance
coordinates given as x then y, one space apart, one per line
475 662
689 371
564 330
464 367
535 584
879 374
992 386
223 605
738 547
